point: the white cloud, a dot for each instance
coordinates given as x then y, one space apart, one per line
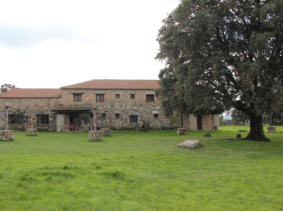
56 43
20 37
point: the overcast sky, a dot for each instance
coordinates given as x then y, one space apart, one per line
53 43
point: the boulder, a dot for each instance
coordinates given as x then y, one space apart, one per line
31 131
191 144
106 131
95 135
181 131
271 129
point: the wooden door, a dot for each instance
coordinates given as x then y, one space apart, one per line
199 122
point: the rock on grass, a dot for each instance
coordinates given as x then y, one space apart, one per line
190 144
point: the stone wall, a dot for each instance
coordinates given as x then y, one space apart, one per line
148 112
215 121
24 105
190 121
208 121
125 106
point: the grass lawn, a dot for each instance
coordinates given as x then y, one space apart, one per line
141 171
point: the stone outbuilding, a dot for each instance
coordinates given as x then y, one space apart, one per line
114 104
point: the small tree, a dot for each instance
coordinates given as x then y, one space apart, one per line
5 87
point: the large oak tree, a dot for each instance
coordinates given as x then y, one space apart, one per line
223 53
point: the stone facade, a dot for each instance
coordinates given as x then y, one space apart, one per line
201 122
118 110
36 106
147 112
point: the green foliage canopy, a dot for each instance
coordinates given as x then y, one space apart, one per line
222 54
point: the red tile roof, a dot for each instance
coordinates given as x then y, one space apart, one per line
31 93
116 84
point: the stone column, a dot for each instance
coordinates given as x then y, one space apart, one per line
215 121
94 135
2 121
6 135
60 122
31 120
7 117
31 130
193 122
94 119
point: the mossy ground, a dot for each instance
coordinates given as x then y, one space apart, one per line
141 171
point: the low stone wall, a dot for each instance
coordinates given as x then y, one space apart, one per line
31 131
271 129
95 135
106 131
6 135
181 131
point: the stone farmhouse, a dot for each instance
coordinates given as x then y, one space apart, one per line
116 104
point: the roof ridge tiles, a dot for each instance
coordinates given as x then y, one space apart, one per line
115 84
32 93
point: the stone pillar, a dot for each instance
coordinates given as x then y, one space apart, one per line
31 130
2 121
7 118
193 122
31 122
94 119
215 121
60 122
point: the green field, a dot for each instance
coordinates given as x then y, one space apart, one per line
141 171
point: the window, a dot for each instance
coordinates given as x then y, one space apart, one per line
132 95
117 115
117 95
150 98
133 119
155 115
16 118
103 115
42 119
12 119
99 97
77 97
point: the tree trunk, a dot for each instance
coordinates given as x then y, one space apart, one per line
256 129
